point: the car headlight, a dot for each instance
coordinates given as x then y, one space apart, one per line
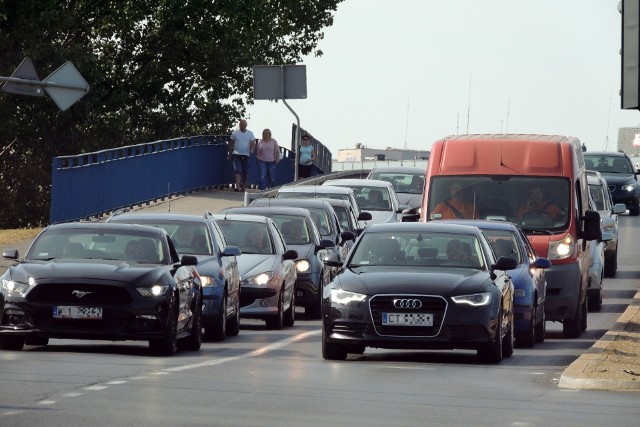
628 187
303 265
561 249
475 300
338 296
16 287
207 281
153 291
260 279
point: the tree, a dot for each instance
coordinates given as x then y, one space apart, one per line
158 69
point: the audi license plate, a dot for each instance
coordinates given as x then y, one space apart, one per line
73 312
407 319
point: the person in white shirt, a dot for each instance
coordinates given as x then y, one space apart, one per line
241 145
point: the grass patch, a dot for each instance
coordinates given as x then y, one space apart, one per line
17 235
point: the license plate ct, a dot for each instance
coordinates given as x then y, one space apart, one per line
74 312
407 319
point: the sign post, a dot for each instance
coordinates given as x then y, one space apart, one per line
282 82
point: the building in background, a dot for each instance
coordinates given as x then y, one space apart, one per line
626 139
361 153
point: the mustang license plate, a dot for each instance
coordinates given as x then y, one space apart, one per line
407 319
73 312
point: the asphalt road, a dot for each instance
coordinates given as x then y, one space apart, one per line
268 378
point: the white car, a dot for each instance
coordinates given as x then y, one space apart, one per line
375 196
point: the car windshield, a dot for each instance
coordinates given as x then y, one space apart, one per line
535 203
84 244
372 198
402 182
503 243
321 218
250 237
189 237
294 229
608 164
423 250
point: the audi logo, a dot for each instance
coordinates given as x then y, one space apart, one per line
407 303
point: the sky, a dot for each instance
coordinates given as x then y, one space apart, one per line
405 73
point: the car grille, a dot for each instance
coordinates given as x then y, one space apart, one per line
62 294
104 325
430 304
351 329
464 332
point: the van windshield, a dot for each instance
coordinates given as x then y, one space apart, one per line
535 203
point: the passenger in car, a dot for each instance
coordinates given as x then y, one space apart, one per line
537 202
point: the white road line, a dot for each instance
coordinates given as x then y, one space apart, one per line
257 352
72 394
96 387
46 402
117 382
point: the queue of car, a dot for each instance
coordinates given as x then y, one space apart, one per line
374 282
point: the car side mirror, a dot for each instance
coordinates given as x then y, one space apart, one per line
619 208
290 254
364 216
333 260
591 227
505 263
326 243
346 236
189 260
541 262
231 251
10 254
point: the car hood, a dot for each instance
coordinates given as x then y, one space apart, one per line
433 281
410 199
381 217
252 264
304 251
618 178
81 271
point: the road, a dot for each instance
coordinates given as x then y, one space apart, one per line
265 378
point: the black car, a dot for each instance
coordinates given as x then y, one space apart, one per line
301 234
200 235
420 286
101 281
621 176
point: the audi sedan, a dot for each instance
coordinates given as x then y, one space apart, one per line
420 286
101 281
201 236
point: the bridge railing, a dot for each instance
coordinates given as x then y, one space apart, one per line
93 184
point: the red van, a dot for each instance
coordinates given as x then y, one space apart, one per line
536 181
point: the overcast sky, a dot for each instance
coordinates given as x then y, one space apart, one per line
407 72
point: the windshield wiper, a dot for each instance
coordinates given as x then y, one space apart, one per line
536 231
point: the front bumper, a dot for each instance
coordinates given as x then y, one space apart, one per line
259 301
307 288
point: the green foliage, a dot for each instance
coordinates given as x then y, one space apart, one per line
158 69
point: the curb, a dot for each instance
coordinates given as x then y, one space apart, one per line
596 360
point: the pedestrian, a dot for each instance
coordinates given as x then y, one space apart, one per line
242 143
306 157
268 155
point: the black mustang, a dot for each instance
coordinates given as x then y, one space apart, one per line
101 281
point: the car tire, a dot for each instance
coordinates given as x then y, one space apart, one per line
635 211
36 340
527 338
571 328
356 349
313 312
332 351
168 345
290 314
219 331
233 324
492 352
276 321
12 342
194 341
508 340
541 327
585 311
611 265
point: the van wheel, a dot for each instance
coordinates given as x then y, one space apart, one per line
611 265
541 328
583 319
572 328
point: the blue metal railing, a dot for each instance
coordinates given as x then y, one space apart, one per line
93 184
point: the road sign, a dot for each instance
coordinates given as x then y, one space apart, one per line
65 86
25 71
280 82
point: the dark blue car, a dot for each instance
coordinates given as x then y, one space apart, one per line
529 281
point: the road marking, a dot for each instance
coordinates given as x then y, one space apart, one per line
46 402
96 387
260 351
117 382
72 394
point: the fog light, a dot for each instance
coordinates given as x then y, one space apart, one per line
299 294
264 303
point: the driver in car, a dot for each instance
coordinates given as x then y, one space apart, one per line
537 203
